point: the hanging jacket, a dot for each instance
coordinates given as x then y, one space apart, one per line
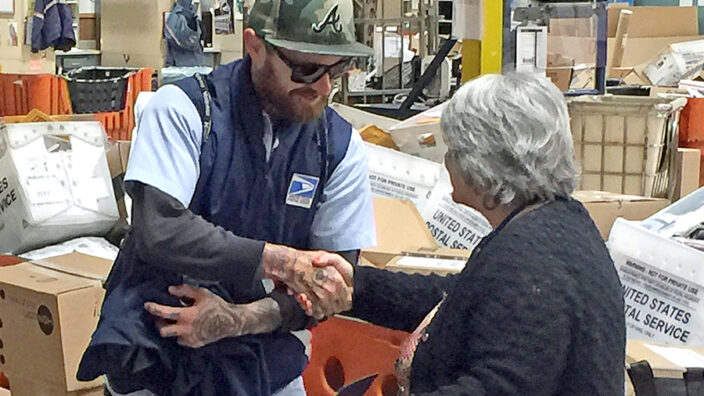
182 33
240 191
52 26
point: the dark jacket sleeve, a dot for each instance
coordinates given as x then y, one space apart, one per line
171 237
394 299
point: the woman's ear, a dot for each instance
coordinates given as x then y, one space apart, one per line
490 203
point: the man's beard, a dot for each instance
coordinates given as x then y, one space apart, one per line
295 106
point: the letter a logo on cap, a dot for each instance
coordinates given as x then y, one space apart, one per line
332 18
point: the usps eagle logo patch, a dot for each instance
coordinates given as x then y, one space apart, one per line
301 190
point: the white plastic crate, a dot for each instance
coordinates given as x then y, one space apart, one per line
625 144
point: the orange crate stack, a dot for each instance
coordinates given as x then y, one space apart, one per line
20 93
692 129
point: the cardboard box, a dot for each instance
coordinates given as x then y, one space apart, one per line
399 228
656 21
118 155
50 309
606 207
561 76
133 27
420 135
668 362
663 283
128 59
687 174
401 232
680 61
54 184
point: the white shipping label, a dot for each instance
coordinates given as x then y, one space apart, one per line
44 190
431 263
678 356
531 49
453 225
660 306
393 174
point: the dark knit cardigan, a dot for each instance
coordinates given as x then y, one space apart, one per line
538 310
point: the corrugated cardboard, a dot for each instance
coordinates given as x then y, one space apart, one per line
30 387
560 76
50 309
117 155
686 172
662 357
401 231
128 59
399 228
656 21
605 207
638 50
133 27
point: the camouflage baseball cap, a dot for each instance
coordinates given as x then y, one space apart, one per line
323 27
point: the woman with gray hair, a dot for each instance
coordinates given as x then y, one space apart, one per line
538 309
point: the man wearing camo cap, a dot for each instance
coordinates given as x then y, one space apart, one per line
228 173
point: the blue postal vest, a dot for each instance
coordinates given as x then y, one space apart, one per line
239 190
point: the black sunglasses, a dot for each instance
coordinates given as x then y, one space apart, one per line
308 73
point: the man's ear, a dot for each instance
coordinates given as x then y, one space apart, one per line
255 46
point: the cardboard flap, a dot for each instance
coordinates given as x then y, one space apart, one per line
78 264
668 361
656 21
399 227
604 196
32 277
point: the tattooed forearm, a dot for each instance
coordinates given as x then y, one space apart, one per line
223 320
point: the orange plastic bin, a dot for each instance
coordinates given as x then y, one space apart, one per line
692 122
20 93
345 350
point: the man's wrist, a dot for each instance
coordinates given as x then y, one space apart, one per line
277 261
261 316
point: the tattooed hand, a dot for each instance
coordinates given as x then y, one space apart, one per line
211 318
328 291
344 268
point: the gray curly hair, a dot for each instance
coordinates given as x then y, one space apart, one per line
509 136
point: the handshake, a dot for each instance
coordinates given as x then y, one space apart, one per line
322 281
